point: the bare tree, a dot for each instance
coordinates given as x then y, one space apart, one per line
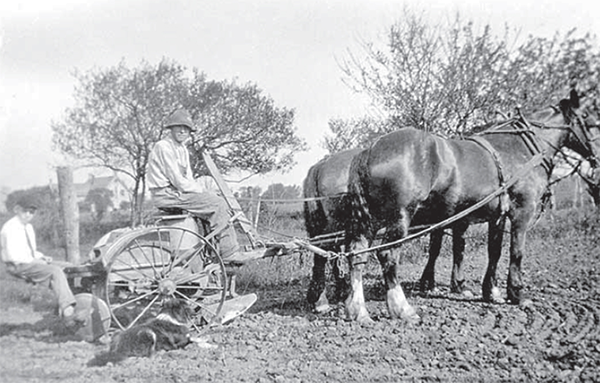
450 77
359 132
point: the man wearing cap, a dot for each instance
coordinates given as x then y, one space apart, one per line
19 253
172 184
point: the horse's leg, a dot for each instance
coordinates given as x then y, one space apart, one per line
491 293
457 280
355 303
435 245
397 304
514 286
342 286
317 294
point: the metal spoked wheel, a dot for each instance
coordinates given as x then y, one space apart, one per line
152 264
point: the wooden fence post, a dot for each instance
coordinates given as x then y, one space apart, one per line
69 212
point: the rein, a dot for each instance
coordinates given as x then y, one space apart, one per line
292 200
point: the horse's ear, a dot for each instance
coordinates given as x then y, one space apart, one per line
574 98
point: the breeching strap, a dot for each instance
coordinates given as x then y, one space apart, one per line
533 162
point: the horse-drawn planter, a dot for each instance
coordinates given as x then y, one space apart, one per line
132 270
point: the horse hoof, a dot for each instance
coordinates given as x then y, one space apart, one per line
467 294
365 320
357 313
497 296
433 292
526 304
322 309
413 318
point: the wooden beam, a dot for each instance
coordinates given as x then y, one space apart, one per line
233 203
69 212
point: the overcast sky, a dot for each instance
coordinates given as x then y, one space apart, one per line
290 49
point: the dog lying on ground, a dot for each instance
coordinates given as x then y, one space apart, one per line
170 330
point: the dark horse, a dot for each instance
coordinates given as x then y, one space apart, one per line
410 177
324 213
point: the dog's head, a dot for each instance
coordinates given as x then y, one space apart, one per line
177 310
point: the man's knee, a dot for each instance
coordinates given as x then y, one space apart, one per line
218 204
57 272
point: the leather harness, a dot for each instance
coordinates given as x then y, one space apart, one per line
504 199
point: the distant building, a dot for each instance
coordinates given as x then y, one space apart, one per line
121 194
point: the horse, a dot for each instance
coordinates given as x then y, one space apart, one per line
325 212
411 177
324 187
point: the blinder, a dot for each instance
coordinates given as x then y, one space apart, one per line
583 135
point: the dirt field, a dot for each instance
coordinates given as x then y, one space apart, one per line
459 339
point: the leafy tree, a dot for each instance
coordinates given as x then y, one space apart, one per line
543 70
348 134
450 77
119 112
243 129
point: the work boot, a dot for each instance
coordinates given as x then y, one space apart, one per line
73 317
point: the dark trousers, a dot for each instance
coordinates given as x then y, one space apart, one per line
39 271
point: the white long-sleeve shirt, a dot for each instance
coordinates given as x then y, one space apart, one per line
18 242
169 165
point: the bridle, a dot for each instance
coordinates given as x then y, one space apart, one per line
584 137
577 127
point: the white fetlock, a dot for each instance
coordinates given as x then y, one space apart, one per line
365 320
398 305
359 314
356 310
322 305
410 315
322 308
497 296
201 342
526 303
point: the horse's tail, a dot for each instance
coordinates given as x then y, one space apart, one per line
359 220
314 214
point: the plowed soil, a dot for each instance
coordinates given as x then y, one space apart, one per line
460 338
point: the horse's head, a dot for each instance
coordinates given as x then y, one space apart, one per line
591 122
582 131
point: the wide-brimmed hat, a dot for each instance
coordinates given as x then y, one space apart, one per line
180 117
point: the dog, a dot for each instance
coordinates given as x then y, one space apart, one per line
170 330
